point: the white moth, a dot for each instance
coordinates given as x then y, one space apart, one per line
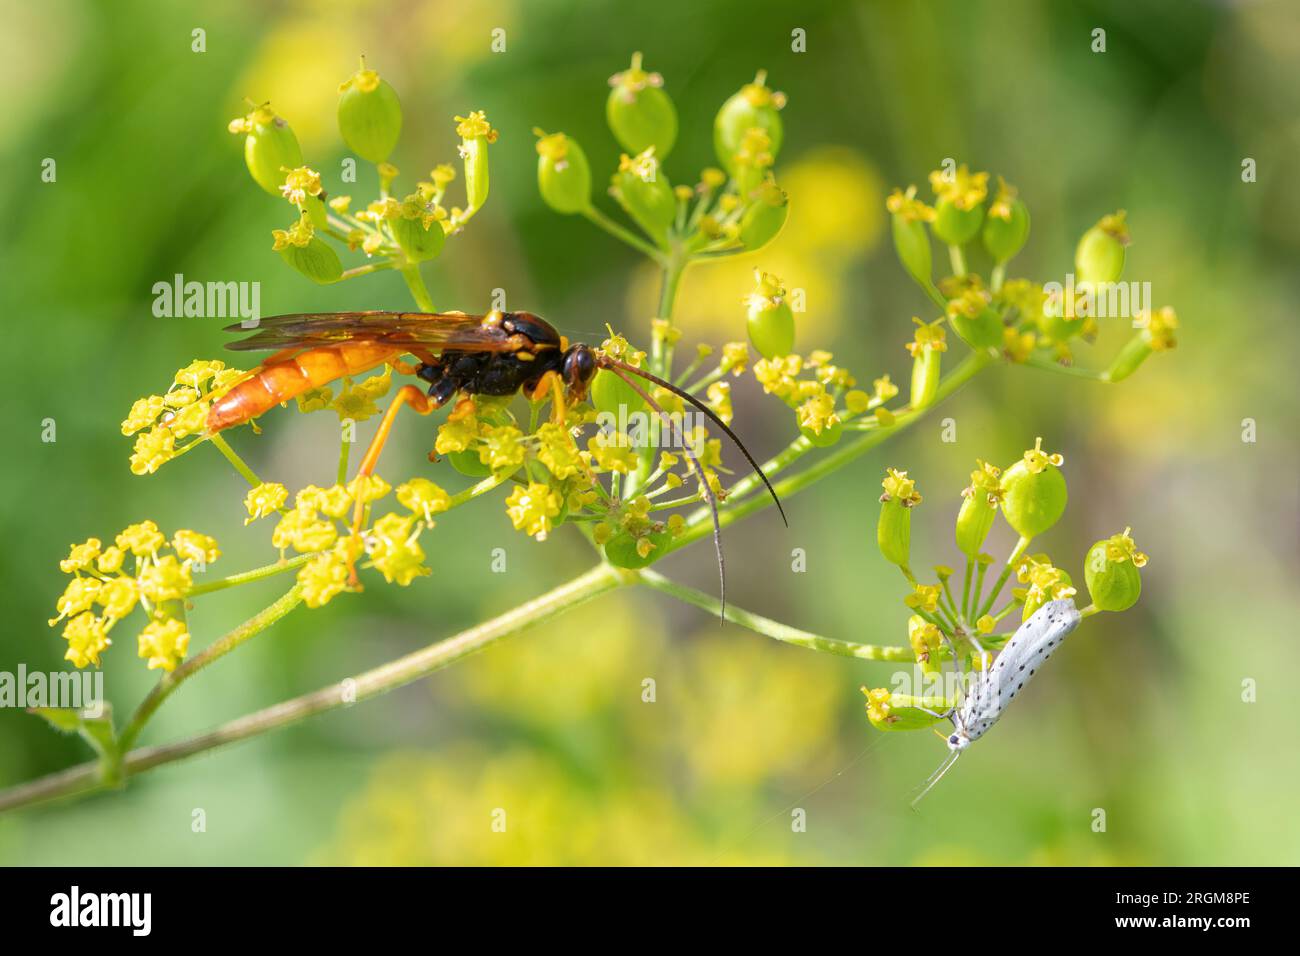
998 684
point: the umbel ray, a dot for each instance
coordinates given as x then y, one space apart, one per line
500 353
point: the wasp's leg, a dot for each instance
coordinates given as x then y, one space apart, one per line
550 382
406 395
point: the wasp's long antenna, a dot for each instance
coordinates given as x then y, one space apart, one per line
937 776
699 473
614 363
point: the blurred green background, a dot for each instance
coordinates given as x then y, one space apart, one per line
1142 714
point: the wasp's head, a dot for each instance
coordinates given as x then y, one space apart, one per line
578 370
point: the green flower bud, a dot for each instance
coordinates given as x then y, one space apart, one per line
912 243
894 529
563 175
978 508
370 116
1007 225
1156 335
420 241
317 260
1033 492
469 464
1111 571
765 217
645 194
927 353
270 147
1099 257
889 711
625 551
611 395
755 106
955 225
639 112
770 320
475 134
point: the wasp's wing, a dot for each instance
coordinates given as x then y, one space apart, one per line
430 330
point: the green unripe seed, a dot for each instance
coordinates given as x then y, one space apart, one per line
1003 238
974 521
888 711
370 115
912 243
765 218
894 532
270 147
611 395
468 464
418 243
1116 586
753 106
563 174
639 112
621 550
926 367
1132 355
982 332
954 225
828 436
1099 257
317 261
645 194
1034 495
771 329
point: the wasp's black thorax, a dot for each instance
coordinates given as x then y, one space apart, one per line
497 373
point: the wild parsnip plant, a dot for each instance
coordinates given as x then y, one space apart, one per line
596 466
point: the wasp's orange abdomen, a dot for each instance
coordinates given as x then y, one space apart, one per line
278 382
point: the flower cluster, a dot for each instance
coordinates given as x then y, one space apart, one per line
141 567
734 207
392 232
1017 318
159 421
962 626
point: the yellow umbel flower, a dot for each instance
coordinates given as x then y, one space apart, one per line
965 189
925 597
141 539
164 643
165 579
929 336
87 638
1158 329
924 638
423 497
906 204
612 451
152 450
323 577
144 412
299 234
357 400
1037 460
777 375
81 555
901 488
304 532
557 451
397 553
299 184
1122 547
735 358
459 430
118 597
265 499
368 488
78 596
986 479
531 509
195 547
878 705
502 449
110 562
474 126
818 413
1001 206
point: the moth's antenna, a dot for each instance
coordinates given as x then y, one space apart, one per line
699 472
937 776
613 363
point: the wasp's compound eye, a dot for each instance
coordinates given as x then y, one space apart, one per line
580 366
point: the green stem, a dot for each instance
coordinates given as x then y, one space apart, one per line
1016 552
419 291
256 574
85 777
958 259
214 651
775 629
247 473
597 217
